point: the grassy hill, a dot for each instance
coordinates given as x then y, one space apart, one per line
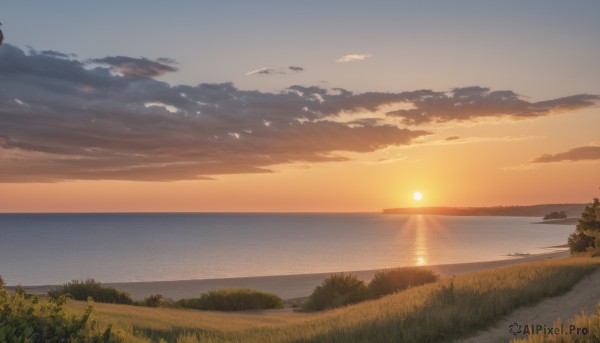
449 308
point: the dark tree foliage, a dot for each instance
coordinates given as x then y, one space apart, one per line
580 242
587 232
555 215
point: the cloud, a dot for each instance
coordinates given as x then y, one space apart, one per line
67 119
108 118
275 71
264 71
353 58
470 103
584 153
139 67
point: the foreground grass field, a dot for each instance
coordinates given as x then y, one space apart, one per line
449 308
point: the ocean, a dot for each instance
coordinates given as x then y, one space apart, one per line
41 249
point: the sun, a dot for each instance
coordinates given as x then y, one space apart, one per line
417 196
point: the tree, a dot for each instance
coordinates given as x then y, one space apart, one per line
587 232
589 223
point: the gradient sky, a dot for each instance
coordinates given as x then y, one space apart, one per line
297 106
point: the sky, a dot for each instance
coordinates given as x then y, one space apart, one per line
305 106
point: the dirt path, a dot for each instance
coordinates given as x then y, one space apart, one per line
583 296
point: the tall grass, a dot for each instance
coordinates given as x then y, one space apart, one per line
573 330
449 308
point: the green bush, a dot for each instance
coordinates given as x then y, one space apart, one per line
154 300
587 231
394 280
580 242
90 288
233 299
23 320
337 290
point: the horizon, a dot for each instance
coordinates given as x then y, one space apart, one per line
305 212
287 108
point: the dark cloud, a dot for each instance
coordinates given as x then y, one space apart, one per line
584 153
139 67
66 119
470 103
452 138
295 68
62 120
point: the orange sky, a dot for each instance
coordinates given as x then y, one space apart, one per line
284 107
494 169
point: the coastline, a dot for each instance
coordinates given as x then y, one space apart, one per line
287 286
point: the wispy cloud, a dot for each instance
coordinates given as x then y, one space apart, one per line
275 71
140 67
472 103
353 58
583 153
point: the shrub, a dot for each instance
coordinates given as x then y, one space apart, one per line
90 288
154 300
337 290
394 280
580 242
233 299
23 320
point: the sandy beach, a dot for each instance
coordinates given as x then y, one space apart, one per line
287 286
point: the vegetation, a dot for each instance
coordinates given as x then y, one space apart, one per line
344 289
555 215
591 323
446 309
394 280
233 299
90 288
31 320
336 291
580 242
154 300
587 231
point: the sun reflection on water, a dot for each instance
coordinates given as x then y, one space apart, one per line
420 252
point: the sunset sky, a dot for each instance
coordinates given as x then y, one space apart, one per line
297 106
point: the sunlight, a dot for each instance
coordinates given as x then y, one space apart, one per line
420 240
417 196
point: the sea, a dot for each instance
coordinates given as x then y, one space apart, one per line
43 249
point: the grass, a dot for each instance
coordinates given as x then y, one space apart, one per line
590 322
447 309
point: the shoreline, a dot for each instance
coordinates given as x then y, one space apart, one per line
286 286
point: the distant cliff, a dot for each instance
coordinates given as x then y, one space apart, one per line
572 210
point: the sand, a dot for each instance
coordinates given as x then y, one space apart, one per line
582 297
286 286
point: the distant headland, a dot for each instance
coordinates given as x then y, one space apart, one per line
572 210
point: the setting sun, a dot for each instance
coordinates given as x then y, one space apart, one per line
417 196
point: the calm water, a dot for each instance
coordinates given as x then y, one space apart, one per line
55 248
